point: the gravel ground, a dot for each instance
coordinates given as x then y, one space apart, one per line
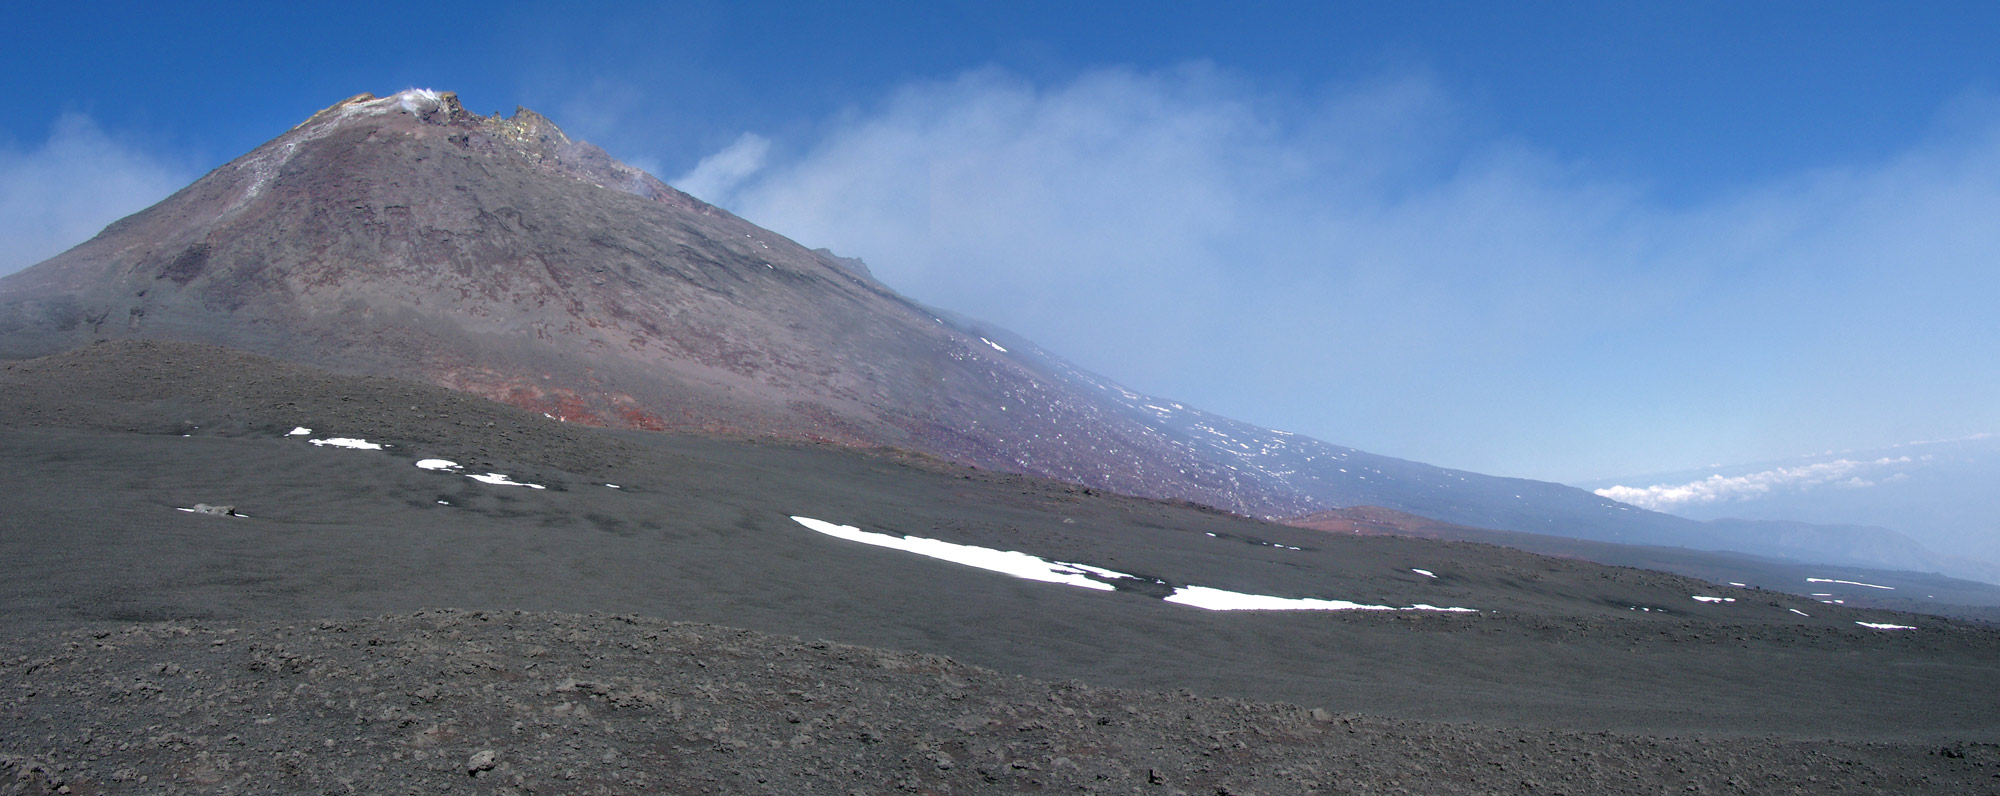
514 702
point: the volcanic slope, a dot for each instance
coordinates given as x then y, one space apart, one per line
213 650
406 236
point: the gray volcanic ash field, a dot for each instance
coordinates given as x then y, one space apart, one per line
538 702
374 626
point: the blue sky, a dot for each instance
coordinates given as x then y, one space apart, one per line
1559 240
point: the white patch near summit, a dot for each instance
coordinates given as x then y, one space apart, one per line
1700 598
996 346
347 442
298 431
264 164
1880 626
417 100
1425 572
437 464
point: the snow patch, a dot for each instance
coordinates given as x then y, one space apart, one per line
213 511
1700 598
299 431
1006 562
1109 573
996 346
498 479
347 442
1222 600
1799 612
1424 572
1022 565
437 464
1849 583
1881 626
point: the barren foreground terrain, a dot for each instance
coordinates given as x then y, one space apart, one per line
369 625
560 703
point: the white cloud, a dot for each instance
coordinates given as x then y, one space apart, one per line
716 177
1845 473
1359 264
63 192
1124 215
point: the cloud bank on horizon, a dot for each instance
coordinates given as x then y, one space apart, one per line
1938 492
1845 473
1350 261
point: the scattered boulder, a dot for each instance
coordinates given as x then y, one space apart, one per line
481 761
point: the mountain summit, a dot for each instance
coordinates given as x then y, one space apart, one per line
405 236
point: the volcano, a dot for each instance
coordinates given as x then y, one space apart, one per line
406 236
226 572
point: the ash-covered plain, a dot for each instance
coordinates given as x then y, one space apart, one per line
654 620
